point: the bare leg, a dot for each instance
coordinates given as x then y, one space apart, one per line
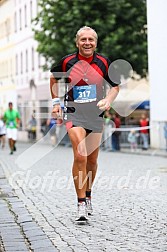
11 144
3 141
76 135
92 142
14 147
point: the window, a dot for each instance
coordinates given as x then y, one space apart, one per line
39 60
31 10
37 7
7 28
16 64
20 19
26 61
25 15
21 62
15 21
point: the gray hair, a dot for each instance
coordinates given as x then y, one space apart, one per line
88 29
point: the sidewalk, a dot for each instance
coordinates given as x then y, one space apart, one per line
152 152
149 152
18 230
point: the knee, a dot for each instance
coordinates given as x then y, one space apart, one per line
80 159
92 162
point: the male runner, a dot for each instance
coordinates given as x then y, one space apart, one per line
12 120
86 72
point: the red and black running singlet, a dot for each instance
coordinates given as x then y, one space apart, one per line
85 85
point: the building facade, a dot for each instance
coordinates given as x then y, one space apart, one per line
7 55
31 81
22 80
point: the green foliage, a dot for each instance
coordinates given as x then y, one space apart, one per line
120 24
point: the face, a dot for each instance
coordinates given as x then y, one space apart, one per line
10 106
143 116
86 43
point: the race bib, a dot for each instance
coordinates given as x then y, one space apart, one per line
11 124
83 94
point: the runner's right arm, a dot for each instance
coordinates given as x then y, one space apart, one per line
56 111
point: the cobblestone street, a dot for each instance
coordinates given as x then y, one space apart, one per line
38 202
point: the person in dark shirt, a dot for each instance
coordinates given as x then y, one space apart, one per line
116 134
144 131
86 73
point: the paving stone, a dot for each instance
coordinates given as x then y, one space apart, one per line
51 249
41 244
32 233
17 246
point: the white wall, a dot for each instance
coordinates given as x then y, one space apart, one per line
28 60
157 53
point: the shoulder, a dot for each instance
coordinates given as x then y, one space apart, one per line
6 112
101 56
58 67
17 113
103 59
69 56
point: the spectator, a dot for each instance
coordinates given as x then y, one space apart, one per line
51 123
132 139
107 130
116 134
2 132
44 127
144 122
59 123
32 128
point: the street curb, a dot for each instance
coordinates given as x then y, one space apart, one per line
150 152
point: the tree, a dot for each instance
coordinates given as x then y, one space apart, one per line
120 24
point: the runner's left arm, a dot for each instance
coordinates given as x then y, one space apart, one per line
18 120
105 104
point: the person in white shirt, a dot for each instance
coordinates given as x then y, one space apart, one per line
2 132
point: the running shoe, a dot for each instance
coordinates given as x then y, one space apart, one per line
89 206
82 212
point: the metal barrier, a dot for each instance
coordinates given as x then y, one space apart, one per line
123 136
